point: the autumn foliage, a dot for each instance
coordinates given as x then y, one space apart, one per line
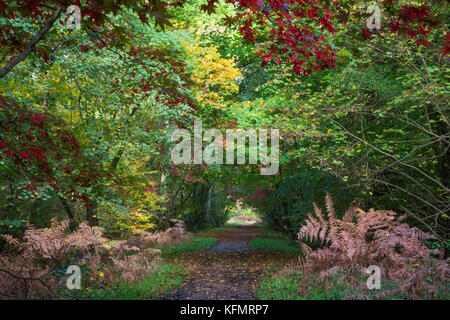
87 116
377 237
36 267
42 149
294 32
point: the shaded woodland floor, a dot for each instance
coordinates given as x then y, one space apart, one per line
228 270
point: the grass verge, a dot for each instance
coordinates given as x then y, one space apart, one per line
285 287
188 246
279 245
166 278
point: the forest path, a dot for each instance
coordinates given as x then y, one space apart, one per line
228 270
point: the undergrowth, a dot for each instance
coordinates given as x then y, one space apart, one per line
334 288
163 280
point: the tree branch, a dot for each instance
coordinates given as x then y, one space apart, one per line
31 45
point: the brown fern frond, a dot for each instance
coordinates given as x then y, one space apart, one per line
330 207
13 242
47 249
352 210
393 246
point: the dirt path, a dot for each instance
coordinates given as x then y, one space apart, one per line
228 270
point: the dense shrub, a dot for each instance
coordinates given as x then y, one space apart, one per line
285 206
208 207
220 211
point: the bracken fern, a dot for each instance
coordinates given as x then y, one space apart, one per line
375 237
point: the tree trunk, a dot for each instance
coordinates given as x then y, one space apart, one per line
91 212
31 45
70 214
